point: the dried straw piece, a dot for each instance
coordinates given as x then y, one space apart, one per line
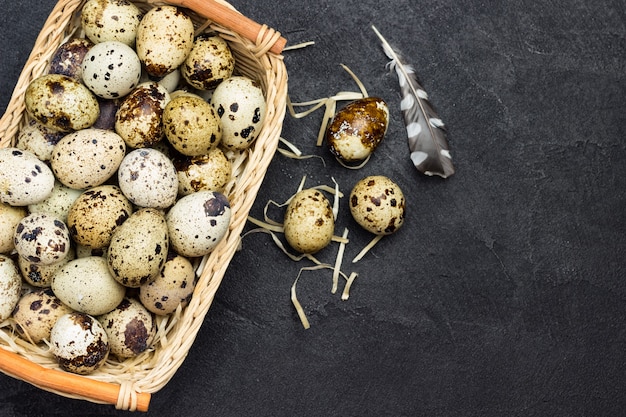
129 384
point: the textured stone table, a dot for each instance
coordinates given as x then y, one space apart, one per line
504 292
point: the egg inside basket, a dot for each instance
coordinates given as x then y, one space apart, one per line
128 384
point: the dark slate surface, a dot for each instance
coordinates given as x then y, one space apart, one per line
503 294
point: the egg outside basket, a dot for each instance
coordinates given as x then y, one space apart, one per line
129 384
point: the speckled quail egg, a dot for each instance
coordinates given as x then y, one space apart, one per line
68 58
205 172
86 285
58 203
36 313
42 238
209 63
111 69
357 129
110 20
96 214
10 286
139 118
38 139
10 217
40 276
148 178
198 222
87 158
240 104
130 328
191 125
377 204
61 103
164 39
24 178
138 248
172 287
79 343
309 222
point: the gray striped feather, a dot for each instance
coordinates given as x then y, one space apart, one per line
426 132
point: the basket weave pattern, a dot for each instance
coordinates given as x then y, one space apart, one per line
128 384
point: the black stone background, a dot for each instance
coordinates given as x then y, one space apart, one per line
504 292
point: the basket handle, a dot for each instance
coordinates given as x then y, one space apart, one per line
229 18
58 381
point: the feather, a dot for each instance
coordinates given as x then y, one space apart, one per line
426 132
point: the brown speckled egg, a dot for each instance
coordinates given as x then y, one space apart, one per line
96 214
111 69
79 343
38 275
205 172
139 248
38 139
130 328
209 63
240 104
148 178
24 178
42 238
86 285
191 125
61 103
377 204
198 222
164 39
172 287
87 158
10 217
309 222
357 129
139 118
10 286
110 20
68 58
36 313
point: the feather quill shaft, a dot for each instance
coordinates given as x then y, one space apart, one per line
429 148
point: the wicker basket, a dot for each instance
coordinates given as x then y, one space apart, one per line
129 384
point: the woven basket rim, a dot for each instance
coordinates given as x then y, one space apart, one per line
130 384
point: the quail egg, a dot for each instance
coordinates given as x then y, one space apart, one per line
10 217
172 287
191 125
309 222
96 214
198 222
209 63
87 158
24 178
357 129
164 39
36 313
241 107
86 285
377 204
130 328
79 343
138 248
111 69
110 20
10 286
209 172
61 103
42 238
148 178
